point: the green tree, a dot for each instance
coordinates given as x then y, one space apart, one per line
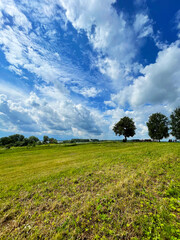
158 126
175 123
52 140
33 140
125 127
4 141
45 139
16 138
25 142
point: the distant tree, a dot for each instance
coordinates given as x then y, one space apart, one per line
45 139
16 138
175 123
52 140
125 127
158 126
33 140
13 140
25 142
4 141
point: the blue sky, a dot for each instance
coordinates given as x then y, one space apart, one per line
73 68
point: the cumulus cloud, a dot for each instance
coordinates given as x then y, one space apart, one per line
159 83
110 67
15 117
54 114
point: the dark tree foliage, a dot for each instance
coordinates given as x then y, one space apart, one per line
16 138
158 126
175 123
33 139
52 140
45 139
4 141
125 127
24 142
19 140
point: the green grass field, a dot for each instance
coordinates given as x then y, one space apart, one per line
105 190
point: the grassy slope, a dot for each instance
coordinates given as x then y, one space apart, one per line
91 191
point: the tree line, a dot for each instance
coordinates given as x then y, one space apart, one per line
18 140
158 126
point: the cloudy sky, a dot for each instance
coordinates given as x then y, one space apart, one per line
73 68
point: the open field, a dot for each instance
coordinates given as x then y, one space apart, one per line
103 191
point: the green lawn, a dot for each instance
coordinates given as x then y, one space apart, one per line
107 190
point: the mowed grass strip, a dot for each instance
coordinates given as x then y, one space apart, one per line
106 190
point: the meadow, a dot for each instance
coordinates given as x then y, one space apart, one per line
106 190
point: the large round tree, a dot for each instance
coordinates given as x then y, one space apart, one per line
158 126
125 127
175 123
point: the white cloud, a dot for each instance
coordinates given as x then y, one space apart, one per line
22 49
110 103
30 52
1 19
12 90
42 10
109 33
50 111
142 25
160 82
109 67
15 117
22 52
86 92
18 17
16 70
